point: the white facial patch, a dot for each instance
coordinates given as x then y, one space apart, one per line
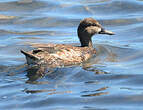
93 29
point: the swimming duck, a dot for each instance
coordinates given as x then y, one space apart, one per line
59 55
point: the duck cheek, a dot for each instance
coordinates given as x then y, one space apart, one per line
93 30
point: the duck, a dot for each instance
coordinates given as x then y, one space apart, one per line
61 55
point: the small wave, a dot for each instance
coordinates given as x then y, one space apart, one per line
5 17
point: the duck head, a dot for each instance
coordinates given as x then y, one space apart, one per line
87 28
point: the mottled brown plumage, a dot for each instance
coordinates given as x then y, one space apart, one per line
58 55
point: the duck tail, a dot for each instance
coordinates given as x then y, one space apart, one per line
31 59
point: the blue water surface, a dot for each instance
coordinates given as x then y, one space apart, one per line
112 80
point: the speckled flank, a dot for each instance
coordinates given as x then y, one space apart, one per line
63 55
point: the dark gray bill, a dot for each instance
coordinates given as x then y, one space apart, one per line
103 31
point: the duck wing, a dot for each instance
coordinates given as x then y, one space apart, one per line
58 54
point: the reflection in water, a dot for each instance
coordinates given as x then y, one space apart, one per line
95 94
63 92
34 73
37 91
99 92
4 17
94 69
38 71
50 92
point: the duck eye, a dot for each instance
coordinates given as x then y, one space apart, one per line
89 24
93 24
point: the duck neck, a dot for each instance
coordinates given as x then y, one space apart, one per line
84 37
86 42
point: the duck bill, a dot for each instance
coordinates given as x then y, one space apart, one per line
103 31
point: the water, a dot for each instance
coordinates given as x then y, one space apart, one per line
110 81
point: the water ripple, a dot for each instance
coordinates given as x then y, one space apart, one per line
110 80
